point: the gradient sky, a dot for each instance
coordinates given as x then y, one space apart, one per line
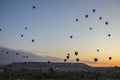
53 21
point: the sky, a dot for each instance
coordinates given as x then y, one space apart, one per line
51 24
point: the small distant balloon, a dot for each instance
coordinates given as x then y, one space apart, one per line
76 19
48 62
7 52
100 18
33 7
95 59
17 53
109 35
68 54
33 40
98 50
25 28
86 16
110 58
77 59
71 36
0 29
90 28
76 53
26 56
65 60
23 56
94 10
21 35
67 57
106 23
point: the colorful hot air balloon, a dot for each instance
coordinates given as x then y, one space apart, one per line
76 53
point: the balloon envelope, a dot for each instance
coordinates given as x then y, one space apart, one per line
95 59
76 53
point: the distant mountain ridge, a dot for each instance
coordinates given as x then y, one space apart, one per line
45 65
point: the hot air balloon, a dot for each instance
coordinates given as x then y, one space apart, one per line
77 59
48 62
90 28
106 23
68 54
71 36
33 40
25 28
17 53
86 16
65 60
0 29
67 57
109 35
110 58
100 18
21 35
98 50
33 7
76 53
93 10
76 19
23 56
95 59
7 52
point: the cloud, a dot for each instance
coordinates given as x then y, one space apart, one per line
12 57
41 52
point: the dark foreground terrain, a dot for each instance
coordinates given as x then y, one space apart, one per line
57 71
